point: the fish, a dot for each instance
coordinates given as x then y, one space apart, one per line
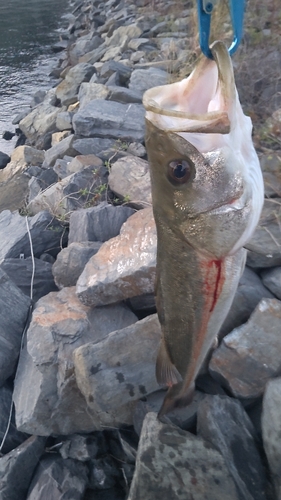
207 197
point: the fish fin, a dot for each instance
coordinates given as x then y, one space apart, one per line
174 399
166 372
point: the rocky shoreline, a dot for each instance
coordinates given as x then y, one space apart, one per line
79 332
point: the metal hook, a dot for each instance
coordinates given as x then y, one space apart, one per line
205 9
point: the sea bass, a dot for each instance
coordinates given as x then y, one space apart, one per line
207 196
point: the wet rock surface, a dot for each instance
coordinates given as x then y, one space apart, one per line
85 379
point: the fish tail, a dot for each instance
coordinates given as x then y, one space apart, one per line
175 399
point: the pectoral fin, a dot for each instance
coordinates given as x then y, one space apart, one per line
175 399
166 372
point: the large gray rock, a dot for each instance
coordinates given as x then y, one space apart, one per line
83 45
250 356
90 91
271 278
14 308
123 34
40 120
129 178
46 234
72 260
110 120
14 437
264 246
58 479
223 422
176 465
67 90
64 120
59 150
103 148
21 271
55 405
249 293
130 264
79 190
115 372
98 223
144 79
124 95
72 165
271 431
17 468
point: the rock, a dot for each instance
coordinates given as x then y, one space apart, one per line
59 150
103 473
59 136
67 90
20 272
82 46
7 135
130 264
124 95
110 120
271 431
14 308
271 278
40 120
114 373
264 246
98 223
80 447
129 178
71 262
76 164
143 304
103 148
81 189
42 181
144 79
123 35
110 67
58 479
13 438
4 159
249 356
90 91
46 234
175 464
270 164
16 468
223 422
64 120
249 293
184 418
93 56
55 405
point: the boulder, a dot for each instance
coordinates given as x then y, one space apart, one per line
64 120
59 150
90 91
124 95
110 120
55 405
271 278
98 223
71 165
72 260
125 266
4 159
40 120
175 464
17 468
249 356
67 90
103 148
14 437
223 422
129 178
144 79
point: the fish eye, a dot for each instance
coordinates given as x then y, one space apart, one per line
179 171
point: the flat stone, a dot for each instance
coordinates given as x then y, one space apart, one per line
98 223
124 95
223 422
17 468
249 356
79 190
55 405
58 479
175 464
114 373
184 418
90 91
20 271
59 150
125 266
271 431
103 148
144 79
249 293
129 178
271 278
45 231
72 260
110 120
264 246
67 90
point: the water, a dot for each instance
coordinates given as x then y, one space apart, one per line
28 28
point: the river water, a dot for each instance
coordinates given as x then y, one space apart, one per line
28 28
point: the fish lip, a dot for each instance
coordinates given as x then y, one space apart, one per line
226 206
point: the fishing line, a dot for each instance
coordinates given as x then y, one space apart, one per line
24 330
